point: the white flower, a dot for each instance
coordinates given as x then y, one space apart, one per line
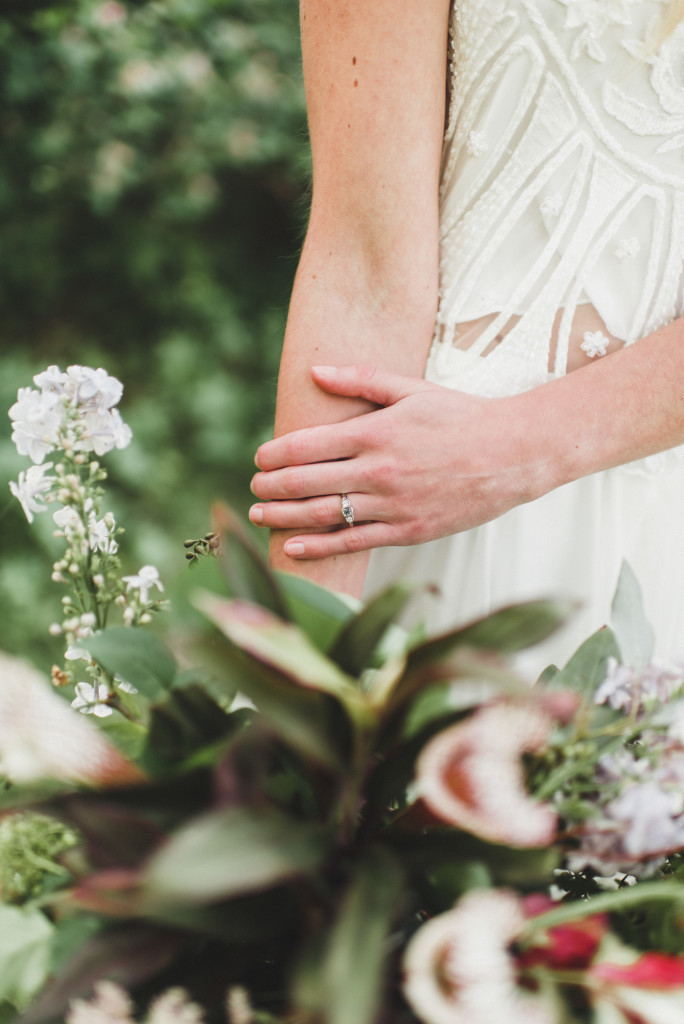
102 430
623 689
595 343
457 968
100 537
51 380
36 421
470 774
30 487
174 1007
92 389
647 810
110 1005
147 578
90 700
74 653
40 737
68 520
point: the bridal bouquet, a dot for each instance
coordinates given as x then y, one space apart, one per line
321 819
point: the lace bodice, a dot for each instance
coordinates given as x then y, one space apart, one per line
562 195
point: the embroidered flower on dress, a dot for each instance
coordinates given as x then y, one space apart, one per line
551 206
628 249
476 143
595 343
593 18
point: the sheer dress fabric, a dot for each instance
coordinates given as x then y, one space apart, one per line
561 239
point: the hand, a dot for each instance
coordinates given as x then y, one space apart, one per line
429 462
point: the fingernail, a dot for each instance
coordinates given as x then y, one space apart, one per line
327 371
256 514
294 548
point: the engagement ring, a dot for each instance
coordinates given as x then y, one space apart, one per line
347 510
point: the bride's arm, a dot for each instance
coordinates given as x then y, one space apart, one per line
366 286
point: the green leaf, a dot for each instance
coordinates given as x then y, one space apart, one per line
285 648
69 935
505 631
319 612
310 722
128 737
345 985
232 852
25 938
136 656
360 637
507 866
186 720
586 669
8 1013
246 572
633 632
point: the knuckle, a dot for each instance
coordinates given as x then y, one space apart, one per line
293 484
385 474
321 515
414 532
354 541
294 449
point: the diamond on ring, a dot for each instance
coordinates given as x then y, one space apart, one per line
347 510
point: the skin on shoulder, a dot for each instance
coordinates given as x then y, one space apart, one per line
366 286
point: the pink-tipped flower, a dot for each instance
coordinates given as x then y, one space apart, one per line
470 775
458 969
41 737
646 987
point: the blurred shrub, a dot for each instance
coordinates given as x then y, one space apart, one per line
153 160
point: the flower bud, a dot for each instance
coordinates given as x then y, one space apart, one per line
54 629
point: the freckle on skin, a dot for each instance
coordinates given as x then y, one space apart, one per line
356 82
353 60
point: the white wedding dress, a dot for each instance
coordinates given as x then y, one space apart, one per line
562 238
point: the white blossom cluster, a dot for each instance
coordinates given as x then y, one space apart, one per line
73 411
73 414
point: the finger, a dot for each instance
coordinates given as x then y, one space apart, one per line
314 512
369 382
313 444
319 479
342 542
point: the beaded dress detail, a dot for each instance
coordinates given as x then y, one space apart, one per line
562 194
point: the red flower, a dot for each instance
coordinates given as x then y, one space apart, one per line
568 947
651 970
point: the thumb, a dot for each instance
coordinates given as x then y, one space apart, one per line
369 382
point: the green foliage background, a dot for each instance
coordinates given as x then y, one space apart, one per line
153 179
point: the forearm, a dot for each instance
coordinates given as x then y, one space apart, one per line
348 308
623 407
